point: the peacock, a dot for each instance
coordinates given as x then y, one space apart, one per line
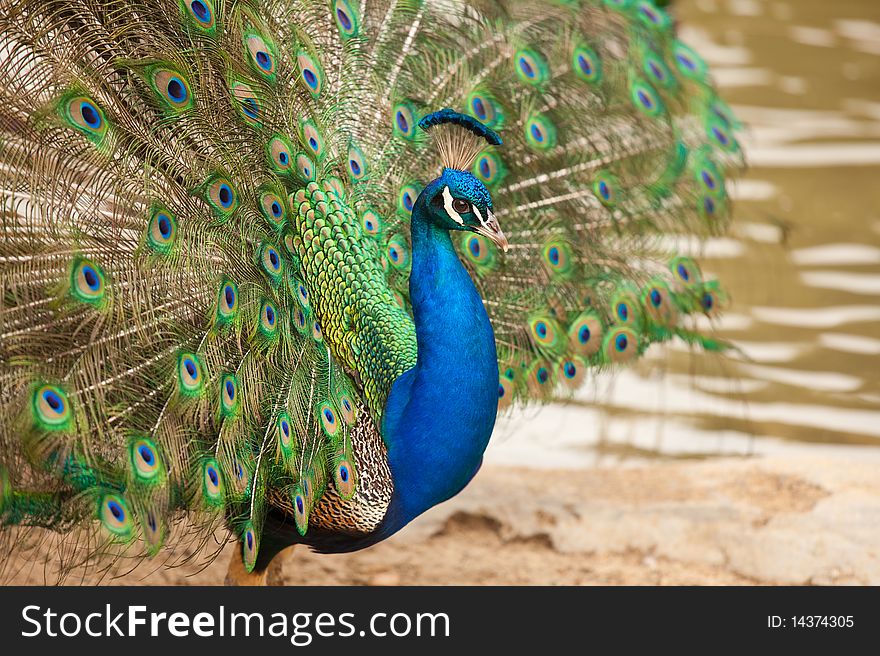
272 269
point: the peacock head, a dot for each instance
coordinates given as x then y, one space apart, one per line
457 200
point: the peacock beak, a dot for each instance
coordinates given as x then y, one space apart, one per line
490 229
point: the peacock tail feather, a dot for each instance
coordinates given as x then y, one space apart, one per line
205 250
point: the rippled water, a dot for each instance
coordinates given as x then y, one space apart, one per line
802 264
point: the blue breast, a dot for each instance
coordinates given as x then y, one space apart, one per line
440 414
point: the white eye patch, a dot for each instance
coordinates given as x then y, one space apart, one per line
447 205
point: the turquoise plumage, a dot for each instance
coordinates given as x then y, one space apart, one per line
275 267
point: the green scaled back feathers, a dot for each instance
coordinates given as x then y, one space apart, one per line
205 251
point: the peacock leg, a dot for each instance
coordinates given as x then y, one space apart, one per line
237 575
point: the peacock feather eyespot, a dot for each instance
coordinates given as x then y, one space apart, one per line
221 195
506 392
479 251
658 304
344 475
652 16
406 197
357 164
268 323
87 282
310 73
646 99
545 334
161 230
712 298
172 88
483 107
229 401
540 132
606 188
247 103
709 178
686 271
585 333
249 548
347 408
489 169
689 63
711 207
541 378
300 320
200 14
404 120
327 415
279 150
212 483
240 474
721 110
301 292
586 64
153 529
273 207
720 135
284 434
261 55
620 345
82 113
626 309
397 252
305 167
146 463
657 71
371 223
115 517
558 258
317 333
346 17
190 378
300 509
227 303
571 371
531 67
50 408
271 262
311 138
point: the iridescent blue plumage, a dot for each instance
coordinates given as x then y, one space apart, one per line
435 446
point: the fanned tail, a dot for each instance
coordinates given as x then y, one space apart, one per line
162 366
205 253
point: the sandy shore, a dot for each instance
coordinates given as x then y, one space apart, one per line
801 520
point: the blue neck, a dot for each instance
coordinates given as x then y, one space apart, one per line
440 414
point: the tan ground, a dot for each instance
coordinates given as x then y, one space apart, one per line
746 521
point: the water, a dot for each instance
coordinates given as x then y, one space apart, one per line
802 264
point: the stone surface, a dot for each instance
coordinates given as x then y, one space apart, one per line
803 520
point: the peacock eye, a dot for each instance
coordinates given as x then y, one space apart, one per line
461 206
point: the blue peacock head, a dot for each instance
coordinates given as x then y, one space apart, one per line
457 200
